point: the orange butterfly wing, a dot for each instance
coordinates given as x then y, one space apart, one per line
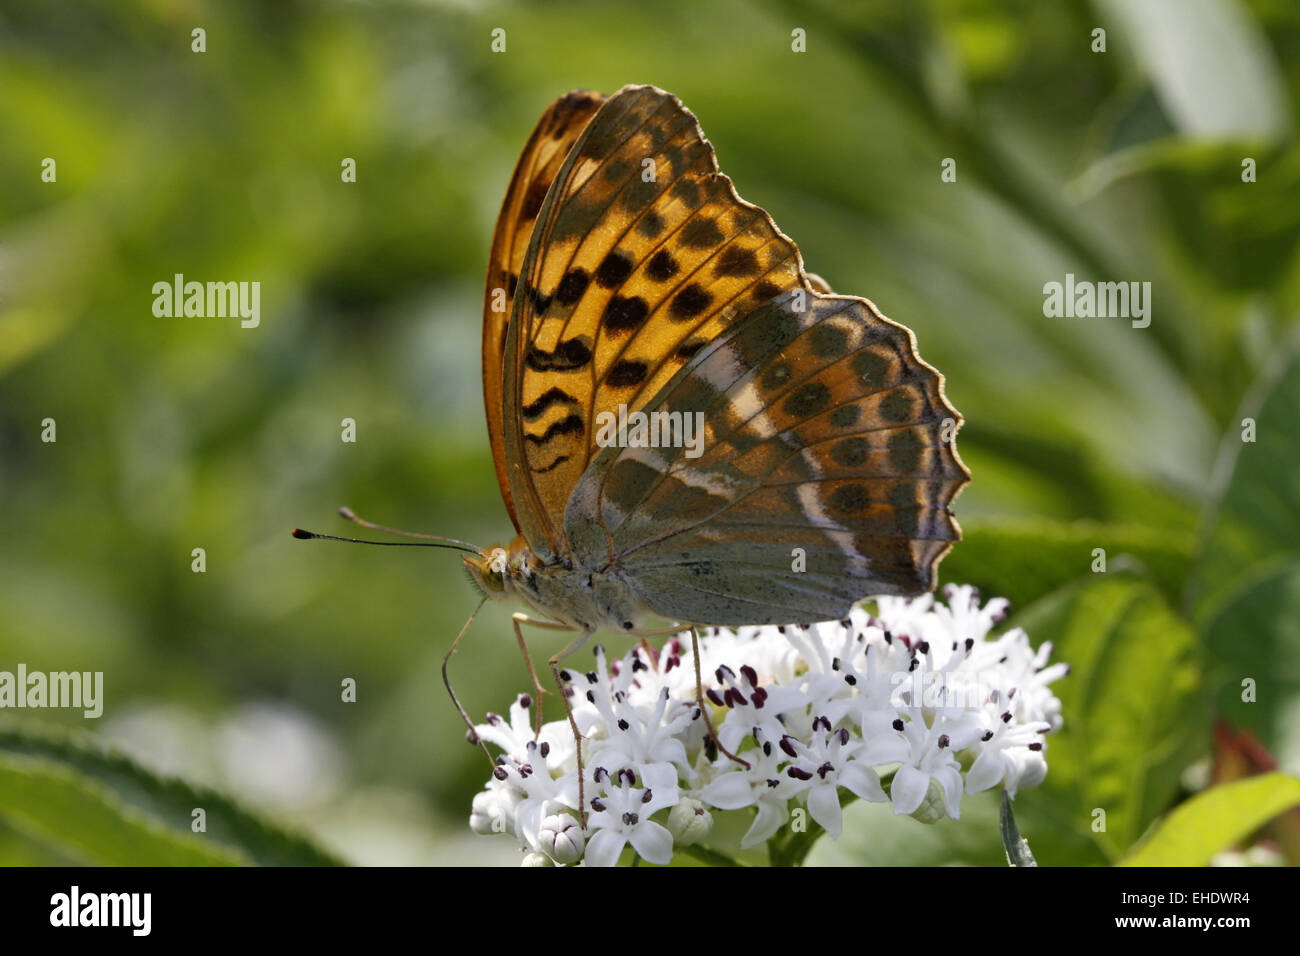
552 138
642 254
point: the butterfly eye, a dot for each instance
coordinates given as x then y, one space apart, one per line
493 570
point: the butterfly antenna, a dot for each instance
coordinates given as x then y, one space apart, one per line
352 516
453 545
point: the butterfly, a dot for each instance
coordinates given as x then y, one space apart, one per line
627 276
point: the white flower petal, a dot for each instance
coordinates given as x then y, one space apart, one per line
950 779
771 815
909 789
730 791
987 771
824 807
653 842
604 848
863 782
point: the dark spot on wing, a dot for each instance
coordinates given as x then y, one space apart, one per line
851 452
897 405
569 425
541 302
650 225
662 266
701 234
614 270
807 399
534 196
570 354
690 302
624 314
572 286
627 373
552 396
686 351
850 499
736 261
829 340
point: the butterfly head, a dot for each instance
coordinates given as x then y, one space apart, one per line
488 571
496 571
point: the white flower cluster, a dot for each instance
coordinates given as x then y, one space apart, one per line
916 691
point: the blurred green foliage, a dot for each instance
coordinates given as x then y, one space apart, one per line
175 434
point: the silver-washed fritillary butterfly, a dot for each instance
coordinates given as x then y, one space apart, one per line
626 276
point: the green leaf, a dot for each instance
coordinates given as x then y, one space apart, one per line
1134 717
1245 597
100 808
874 836
1215 820
1244 96
1017 847
993 555
55 805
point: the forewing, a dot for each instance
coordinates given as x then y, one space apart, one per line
642 255
539 163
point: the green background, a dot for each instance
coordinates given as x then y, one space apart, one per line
181 433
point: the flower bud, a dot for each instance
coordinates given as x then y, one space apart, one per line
487 814
932 808
689 822
561 838
536 859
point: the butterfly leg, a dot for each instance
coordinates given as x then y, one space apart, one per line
521 618
699 699
573 724
554 662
